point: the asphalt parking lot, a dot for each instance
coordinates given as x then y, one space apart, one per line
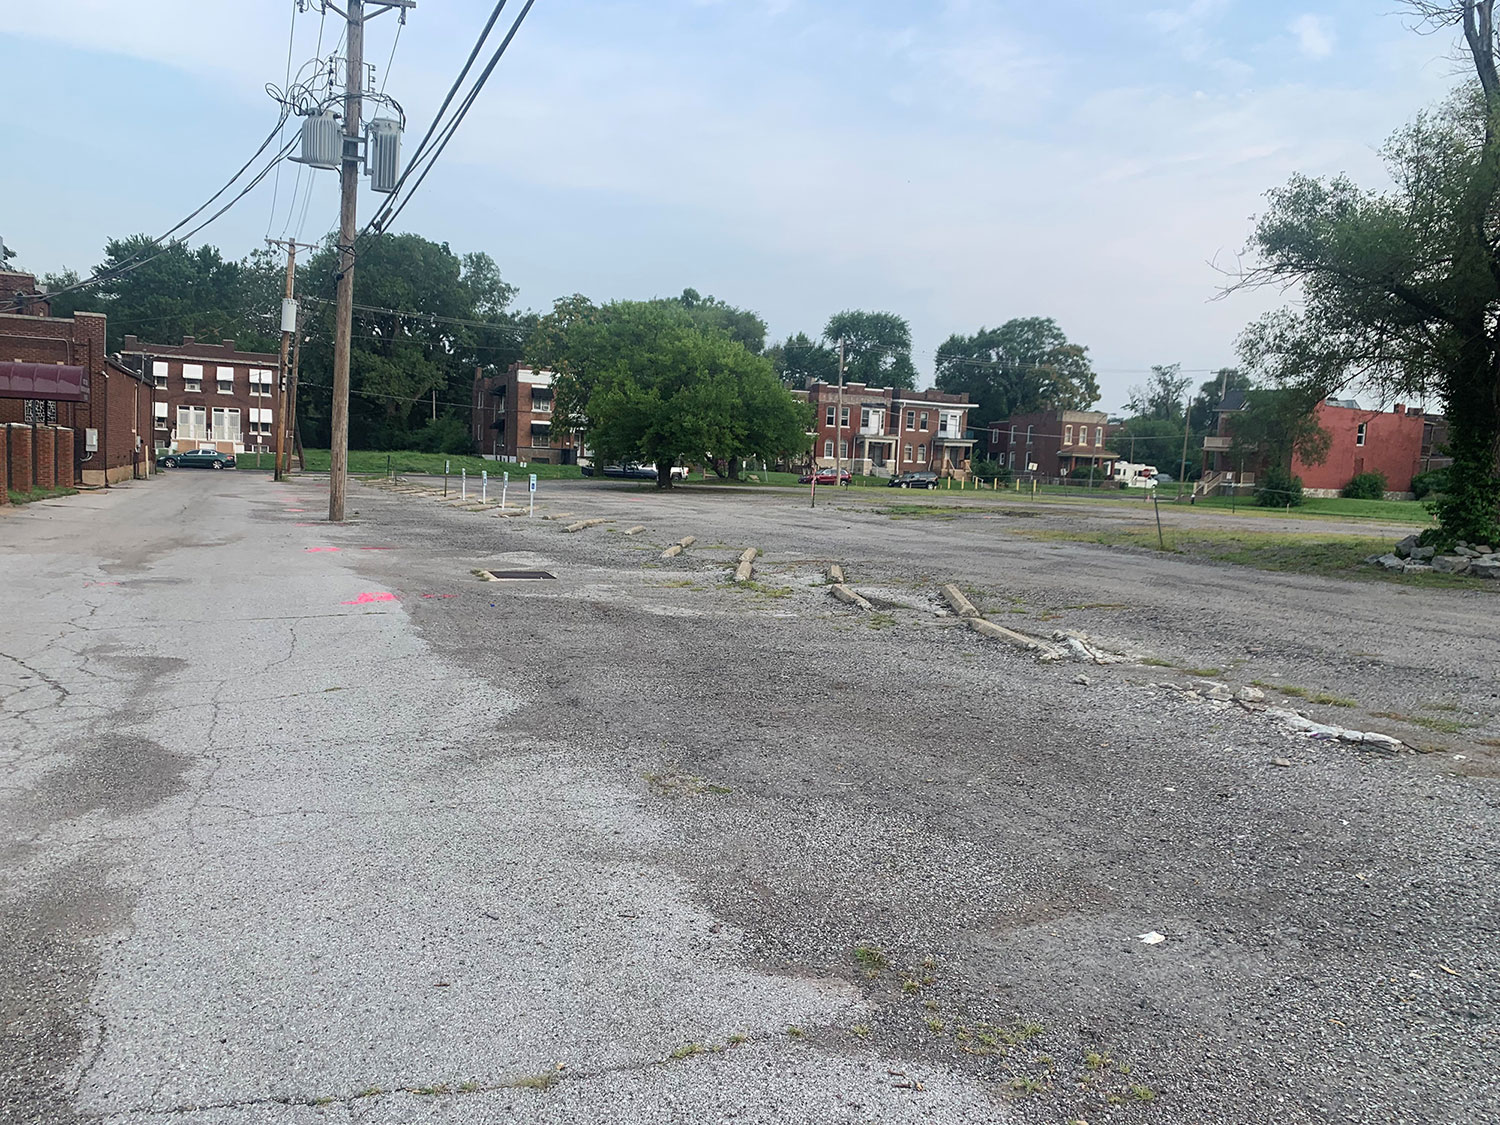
311 823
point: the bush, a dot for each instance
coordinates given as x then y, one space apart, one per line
1279 489
1425 484
990 470
1083 472
1365 486
443 435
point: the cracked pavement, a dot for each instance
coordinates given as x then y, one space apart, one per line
306 834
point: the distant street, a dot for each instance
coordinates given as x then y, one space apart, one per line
309 823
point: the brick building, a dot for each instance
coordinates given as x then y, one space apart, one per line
208 396
510 418
85 412
1361 441
1056 441
881 431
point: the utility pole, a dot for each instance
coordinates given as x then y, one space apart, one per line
1187 413
343 317
838 424
282 376
291 419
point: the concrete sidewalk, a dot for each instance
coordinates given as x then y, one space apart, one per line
269 857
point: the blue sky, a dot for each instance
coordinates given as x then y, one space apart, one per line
959 163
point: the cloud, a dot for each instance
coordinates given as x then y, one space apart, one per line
1314 36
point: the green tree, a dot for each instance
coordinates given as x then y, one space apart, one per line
642 381
1153 441
1161 396
1401 288
800 359
877 348
425 318
711 314
1024 366
1276 425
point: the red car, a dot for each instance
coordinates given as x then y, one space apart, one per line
827 476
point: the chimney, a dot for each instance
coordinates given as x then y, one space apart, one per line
1400 408
228 345
130 342
188 341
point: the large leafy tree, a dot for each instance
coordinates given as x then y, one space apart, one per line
643 381
1276 424
1026 365
800 359
1203 416
1401 288
1161 396
877 348
425 318
711 314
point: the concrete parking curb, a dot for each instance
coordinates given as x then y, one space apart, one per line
584 524
836 574
961 605
1045 652
560 516
848 596
678 547
747 565
636 530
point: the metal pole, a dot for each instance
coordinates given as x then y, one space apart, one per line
291 419
1182 469
343 322
838 425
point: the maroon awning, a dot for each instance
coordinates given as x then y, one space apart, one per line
44 380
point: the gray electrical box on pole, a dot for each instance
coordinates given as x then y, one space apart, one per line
383 154
322 141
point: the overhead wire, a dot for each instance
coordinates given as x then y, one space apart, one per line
276 184
393 210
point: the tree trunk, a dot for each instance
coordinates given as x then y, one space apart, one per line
1470 508
664 474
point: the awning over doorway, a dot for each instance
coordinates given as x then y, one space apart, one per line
53 381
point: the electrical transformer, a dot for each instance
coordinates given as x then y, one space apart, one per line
322 140
383 154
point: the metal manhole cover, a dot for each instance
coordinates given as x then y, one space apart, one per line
518 575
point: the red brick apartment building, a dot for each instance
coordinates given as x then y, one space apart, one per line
510 418
881 431
1362 441
208 396
1055 441
69 414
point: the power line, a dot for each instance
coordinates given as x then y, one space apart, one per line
276 185
386 77
384 220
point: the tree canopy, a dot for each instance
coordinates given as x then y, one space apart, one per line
800 359
1161 396
643 381
424 319
877 348
1023 366
1401 288
711 314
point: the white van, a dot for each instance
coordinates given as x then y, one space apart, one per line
1133 475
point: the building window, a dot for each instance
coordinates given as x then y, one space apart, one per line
864 417
1012 459
260 420
226 422
1098 437
843 449
1067 435
1028 437
843 417
908 451
192 423
1359 434
924 420
911 424
159 372
192 376
828 446
828 417
922 454
260 382
224 376
1012 436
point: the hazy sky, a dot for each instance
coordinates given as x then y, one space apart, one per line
958 163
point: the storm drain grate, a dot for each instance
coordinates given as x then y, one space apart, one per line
517 575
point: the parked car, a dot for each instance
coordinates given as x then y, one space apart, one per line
914 480
826 476
633 470
196 459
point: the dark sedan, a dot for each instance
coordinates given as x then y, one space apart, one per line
914 480
196 459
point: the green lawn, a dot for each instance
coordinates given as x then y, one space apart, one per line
1391 511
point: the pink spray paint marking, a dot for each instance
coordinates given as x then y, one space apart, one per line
296 509
313 550
366 599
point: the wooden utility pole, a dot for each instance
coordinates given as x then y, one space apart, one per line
282 377
291 414
343 317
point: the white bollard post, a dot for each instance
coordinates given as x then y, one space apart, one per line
484 486
504 486
463 484
533 495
